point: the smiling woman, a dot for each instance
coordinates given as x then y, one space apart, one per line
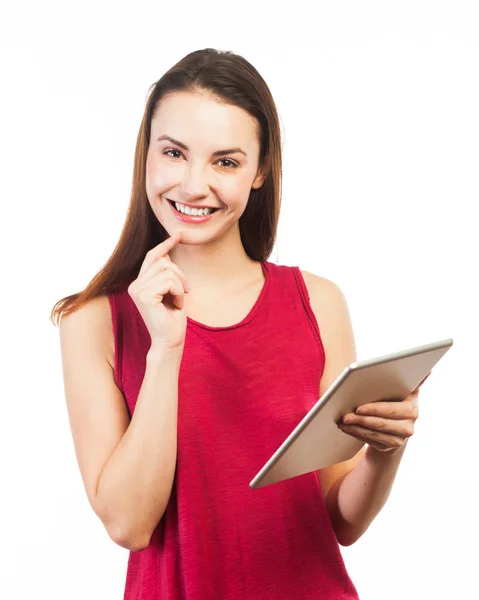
189 357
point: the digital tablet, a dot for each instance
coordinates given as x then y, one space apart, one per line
317 442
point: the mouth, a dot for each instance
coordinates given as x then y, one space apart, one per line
188 209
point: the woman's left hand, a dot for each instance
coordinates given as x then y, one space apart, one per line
386 426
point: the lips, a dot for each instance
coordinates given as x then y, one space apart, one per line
173 202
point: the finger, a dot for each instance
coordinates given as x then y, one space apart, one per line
403 428
392 441
155 291
402 409
174 287
160 265
376 445
159 251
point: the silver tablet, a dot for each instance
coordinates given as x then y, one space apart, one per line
317 442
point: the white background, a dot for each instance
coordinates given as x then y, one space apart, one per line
379 109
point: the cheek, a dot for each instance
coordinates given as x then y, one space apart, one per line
158 176
236 189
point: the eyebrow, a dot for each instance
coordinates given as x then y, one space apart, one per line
185 147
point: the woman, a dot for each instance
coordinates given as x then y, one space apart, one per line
189 358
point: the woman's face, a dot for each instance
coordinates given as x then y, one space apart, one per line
194 170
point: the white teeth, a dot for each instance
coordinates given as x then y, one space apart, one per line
194 212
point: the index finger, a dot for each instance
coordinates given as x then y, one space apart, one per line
159 251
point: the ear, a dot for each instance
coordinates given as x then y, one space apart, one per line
259 179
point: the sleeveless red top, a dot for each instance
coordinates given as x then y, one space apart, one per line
242 390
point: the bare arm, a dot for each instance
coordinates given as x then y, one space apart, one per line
357 496
135 484
127 466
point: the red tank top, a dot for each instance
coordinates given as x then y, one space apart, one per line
242 390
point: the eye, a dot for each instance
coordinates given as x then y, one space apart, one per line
171 150
233 164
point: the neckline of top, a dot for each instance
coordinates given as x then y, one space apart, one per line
251 313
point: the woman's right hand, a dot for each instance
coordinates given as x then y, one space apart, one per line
159 295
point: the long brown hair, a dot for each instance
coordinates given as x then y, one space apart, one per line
233 80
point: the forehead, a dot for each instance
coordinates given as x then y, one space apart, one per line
199 118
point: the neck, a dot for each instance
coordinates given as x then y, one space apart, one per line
219 265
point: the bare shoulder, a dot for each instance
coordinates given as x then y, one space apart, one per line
325 295
331 310
93 319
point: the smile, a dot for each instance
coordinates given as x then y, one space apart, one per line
194 211
188 214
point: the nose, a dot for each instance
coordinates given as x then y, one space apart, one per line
194 184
